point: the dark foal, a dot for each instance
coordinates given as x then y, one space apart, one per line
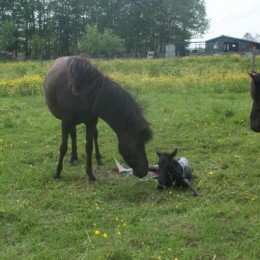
173 171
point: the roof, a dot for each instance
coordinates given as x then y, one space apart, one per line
229 38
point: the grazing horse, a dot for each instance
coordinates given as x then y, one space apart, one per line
76 92
174 171
255 94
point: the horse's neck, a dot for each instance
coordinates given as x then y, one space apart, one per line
112 121
116 118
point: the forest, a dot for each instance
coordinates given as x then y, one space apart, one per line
50 28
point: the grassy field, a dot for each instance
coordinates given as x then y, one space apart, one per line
200 105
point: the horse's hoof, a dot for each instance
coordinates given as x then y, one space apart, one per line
92 181
56 178
72 163
99 163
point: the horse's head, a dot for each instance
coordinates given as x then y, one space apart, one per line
132 148
255 94
167 167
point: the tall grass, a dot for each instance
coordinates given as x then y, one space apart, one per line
199 105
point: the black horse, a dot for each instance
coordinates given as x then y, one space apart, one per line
255 94
76 92
174 171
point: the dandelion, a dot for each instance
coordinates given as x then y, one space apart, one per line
97 232
105 235
210 173
119 233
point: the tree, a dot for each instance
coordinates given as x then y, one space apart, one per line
91 41
151 24
111 44
248 36
7 38
37 44
95 43
142 24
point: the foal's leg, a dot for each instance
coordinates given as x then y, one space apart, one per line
63 147
74 154
98 155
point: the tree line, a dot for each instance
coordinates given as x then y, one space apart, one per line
49 28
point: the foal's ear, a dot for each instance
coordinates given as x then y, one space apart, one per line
159 153
174 153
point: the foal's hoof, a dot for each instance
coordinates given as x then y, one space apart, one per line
160 187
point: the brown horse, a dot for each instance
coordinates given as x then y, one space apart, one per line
255 94
76 92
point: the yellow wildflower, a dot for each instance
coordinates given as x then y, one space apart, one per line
97 232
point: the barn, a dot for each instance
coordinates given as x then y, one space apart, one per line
226 44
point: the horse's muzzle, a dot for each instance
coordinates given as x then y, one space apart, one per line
255 128
140 172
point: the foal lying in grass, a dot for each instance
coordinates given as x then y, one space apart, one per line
174 171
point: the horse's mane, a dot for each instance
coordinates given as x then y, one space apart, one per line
88 82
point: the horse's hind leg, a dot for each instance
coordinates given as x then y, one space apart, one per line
89 148
98 155
63 148
74 154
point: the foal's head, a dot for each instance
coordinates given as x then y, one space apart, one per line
167 168
255 94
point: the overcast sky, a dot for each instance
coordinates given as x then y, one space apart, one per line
232 17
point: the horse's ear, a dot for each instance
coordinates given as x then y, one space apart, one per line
158 153
174 153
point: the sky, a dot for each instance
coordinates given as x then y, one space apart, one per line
232 18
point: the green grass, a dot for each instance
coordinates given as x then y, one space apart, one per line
209 124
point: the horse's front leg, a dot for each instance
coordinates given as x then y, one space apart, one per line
63 148
74 154
89 148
